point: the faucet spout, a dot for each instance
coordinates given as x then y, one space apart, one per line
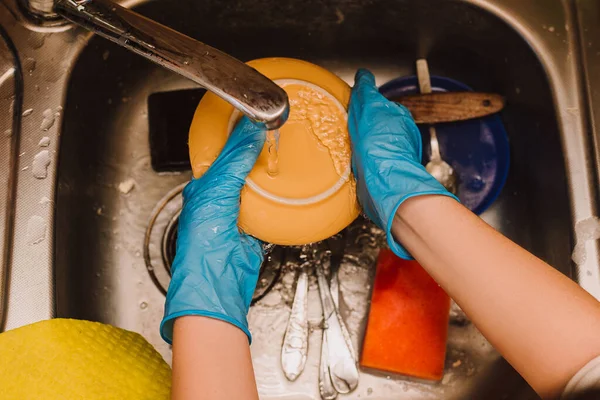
242 86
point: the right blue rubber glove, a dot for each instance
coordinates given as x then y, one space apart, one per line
386 156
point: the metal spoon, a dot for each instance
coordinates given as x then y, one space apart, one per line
337 245
326 388
295 341
342 365
437 167
334 288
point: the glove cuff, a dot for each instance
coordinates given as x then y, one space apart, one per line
395 246
166 326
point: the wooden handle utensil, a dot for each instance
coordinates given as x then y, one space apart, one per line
434 108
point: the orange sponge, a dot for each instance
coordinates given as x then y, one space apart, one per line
408 320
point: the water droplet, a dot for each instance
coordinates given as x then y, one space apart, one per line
48 121
29 65
587 229
105 55
44 142
143 305
27 112
126 186
41 161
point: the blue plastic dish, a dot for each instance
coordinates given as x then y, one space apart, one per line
477 149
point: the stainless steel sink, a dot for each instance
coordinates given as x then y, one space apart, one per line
10 106
90 263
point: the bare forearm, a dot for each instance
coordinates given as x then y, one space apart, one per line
540 321
211 361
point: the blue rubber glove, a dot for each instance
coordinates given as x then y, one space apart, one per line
386 156
216 266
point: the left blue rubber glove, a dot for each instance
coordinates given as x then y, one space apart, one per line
216 266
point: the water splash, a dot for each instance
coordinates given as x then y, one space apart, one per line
467 349
273 146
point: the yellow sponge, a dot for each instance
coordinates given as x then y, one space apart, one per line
71 359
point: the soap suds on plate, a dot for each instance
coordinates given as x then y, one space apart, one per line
326 119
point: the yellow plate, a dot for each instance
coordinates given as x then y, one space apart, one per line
289 209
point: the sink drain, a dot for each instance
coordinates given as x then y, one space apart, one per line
160 247
169 241
165 214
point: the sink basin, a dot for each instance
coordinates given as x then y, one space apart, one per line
10 107
101 274
113 211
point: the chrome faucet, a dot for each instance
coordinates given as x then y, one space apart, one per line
242 86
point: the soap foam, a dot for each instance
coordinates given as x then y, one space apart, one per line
325 118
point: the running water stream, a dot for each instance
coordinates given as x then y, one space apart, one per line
273 161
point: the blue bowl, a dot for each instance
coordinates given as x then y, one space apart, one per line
477 149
